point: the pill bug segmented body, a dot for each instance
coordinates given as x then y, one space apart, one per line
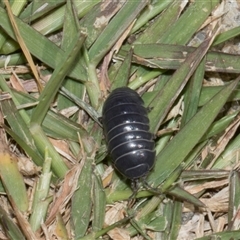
126 129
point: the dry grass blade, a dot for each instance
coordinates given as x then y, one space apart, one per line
23 46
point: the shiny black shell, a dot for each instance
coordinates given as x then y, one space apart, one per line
126 129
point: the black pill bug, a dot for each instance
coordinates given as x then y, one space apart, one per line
126 128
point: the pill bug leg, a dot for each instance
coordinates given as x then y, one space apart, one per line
155 191
135 187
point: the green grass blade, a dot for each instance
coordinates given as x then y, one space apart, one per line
14 59
32 152
96 20
114 30
220 125
222 235
123 73
48 23
167 56
161 24
230 155
208 92
182 194
42 48
82 202
41 199
42 143
4 86
37 9
223 37
82 104
150 12
192 94
12 179
234 200
193 175
70 25
70 28
99 204
153 221
9 226
181 145
54 125
53 85
190 21
176 220
166 97
20 131
55 19
16 7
